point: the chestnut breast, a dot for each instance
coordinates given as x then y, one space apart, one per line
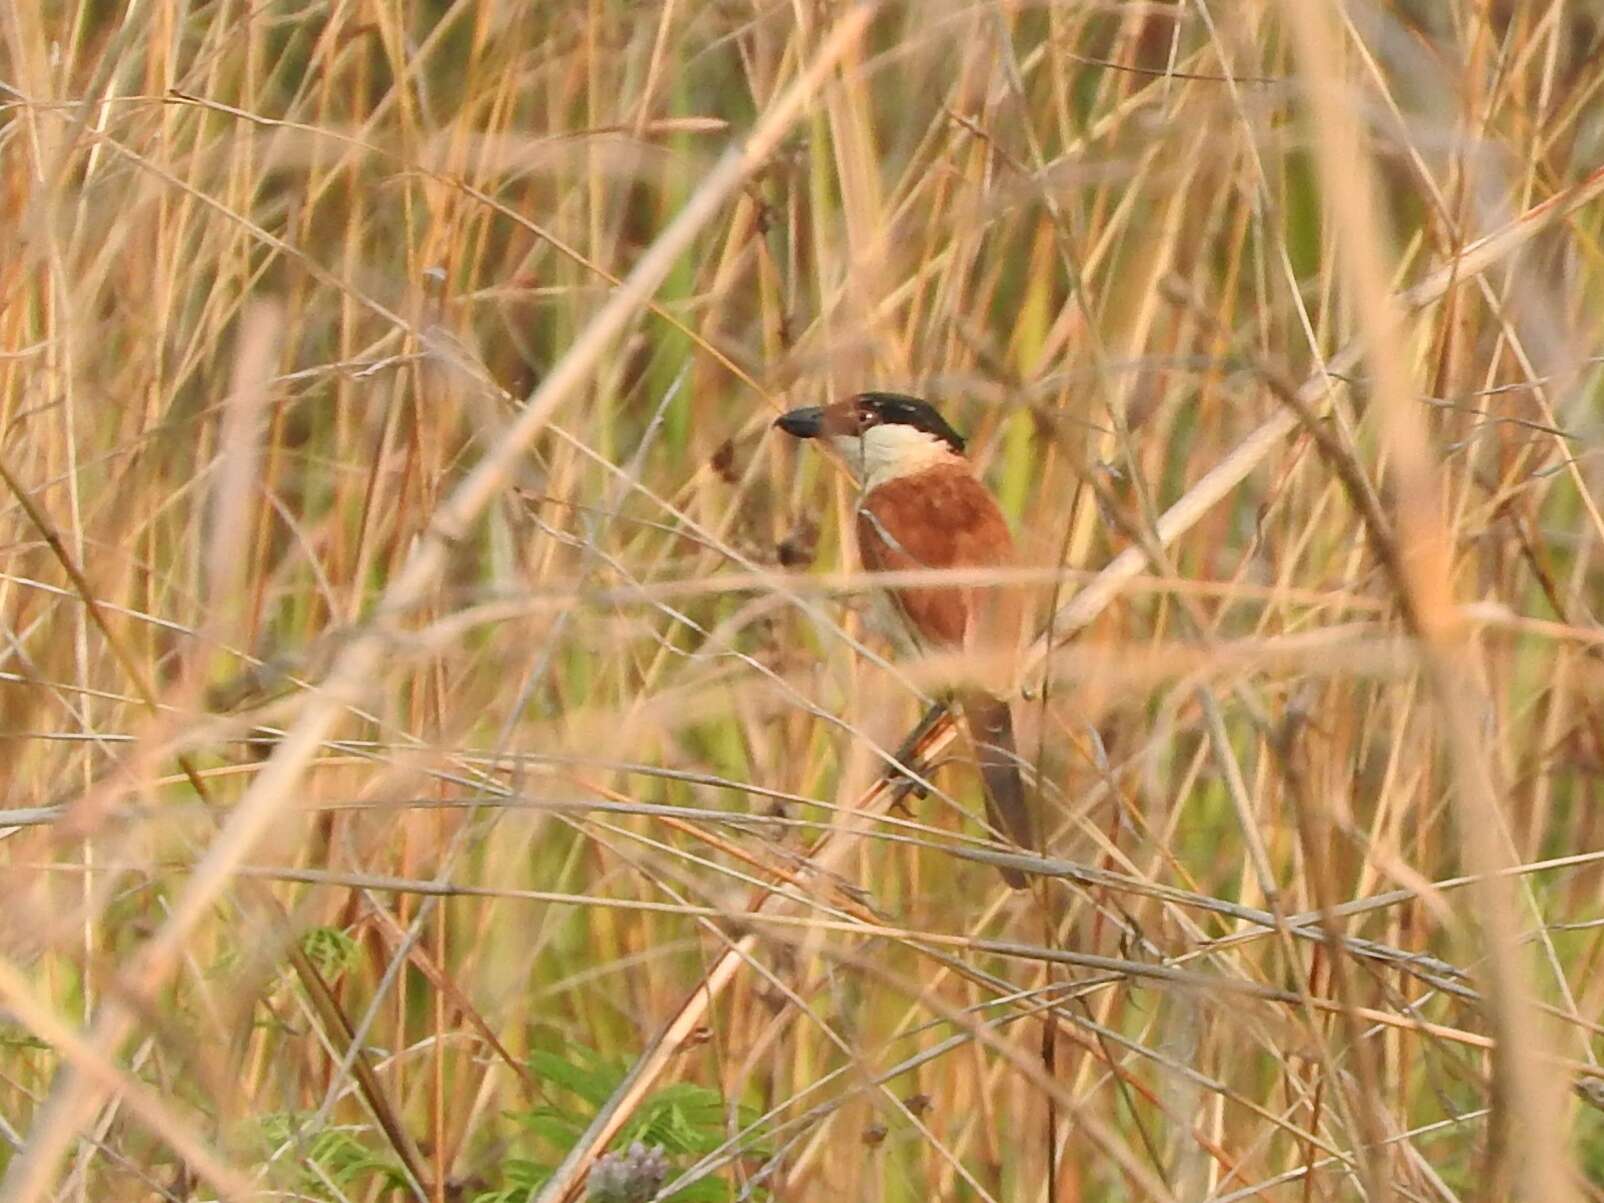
940 517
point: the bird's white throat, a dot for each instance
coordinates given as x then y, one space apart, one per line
884 453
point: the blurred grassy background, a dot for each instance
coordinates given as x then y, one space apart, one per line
275 277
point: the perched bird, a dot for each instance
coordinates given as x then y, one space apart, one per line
922 507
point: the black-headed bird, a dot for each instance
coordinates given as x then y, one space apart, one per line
922 507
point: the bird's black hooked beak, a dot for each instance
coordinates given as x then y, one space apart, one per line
805 423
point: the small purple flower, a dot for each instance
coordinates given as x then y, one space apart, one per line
629 1177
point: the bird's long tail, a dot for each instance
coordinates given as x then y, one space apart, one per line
991 727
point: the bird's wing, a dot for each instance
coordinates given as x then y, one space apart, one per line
944 518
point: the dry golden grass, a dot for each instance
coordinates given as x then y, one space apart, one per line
430 691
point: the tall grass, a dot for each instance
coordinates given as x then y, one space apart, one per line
422 665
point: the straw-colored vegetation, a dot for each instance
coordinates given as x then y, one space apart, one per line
422 663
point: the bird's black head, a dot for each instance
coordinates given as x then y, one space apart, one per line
857 415
899 409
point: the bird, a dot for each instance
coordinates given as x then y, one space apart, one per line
922 506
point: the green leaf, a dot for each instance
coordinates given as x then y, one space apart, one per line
560 1129
581 1071
708 1190
331 950
683 1119
519 1177
339 1152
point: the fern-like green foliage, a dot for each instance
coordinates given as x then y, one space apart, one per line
331 950
519 1179
684 1120
332 1155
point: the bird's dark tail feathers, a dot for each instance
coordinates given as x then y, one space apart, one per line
991 727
